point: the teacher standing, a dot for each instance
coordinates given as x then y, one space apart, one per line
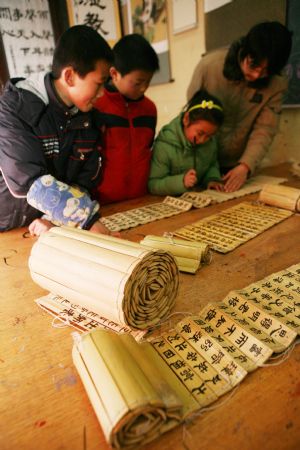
248 81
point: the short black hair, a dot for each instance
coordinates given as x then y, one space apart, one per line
81 47
134 52
213 112
269 41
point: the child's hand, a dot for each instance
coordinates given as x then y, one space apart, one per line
98 227
235 178
190 178
39 226
216 185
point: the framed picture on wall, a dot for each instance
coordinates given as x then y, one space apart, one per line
184 14
149 18
103 16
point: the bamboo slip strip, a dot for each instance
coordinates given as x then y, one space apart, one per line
116 279
234 226
141 390
172 206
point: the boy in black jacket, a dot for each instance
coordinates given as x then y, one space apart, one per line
49 148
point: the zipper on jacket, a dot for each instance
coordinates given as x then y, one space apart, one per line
98 168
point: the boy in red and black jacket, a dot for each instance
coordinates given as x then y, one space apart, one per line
129 121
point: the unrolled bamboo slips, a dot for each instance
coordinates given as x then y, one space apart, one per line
139 391
232 227
115 278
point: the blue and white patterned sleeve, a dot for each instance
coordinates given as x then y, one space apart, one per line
62 204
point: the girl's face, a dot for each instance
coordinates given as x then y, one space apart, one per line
198 132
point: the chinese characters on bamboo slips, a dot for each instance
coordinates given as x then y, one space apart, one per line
179 373
172 205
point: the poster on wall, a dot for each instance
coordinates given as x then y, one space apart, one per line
149 18
27 35
184 15
101 15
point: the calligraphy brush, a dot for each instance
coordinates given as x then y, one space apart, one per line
195 156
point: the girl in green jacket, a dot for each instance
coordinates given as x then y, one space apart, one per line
185 150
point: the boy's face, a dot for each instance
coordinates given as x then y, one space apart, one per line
83 92
132 85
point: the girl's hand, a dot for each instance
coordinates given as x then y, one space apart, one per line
98 227
235 178
190 178
39 226
216 185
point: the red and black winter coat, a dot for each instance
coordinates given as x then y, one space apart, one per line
128 133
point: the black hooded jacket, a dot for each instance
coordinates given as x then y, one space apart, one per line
40 135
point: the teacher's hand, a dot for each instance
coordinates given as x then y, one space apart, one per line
235 178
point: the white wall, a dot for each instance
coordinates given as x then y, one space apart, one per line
185 52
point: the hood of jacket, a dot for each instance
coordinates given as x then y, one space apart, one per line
25 98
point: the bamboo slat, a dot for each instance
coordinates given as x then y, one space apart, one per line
127 284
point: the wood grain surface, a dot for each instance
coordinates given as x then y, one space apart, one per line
43 403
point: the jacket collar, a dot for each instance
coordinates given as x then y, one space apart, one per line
55 99
110 87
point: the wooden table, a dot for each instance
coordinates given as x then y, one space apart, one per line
43 403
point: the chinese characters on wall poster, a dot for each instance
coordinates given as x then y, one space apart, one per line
102 15
27 36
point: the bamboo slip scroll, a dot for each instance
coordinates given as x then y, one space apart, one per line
141 390
117 279
134 217
234 226
189 256
176 205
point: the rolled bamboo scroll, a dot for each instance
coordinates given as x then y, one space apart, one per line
189 256
135 397
141 390
295 168
281 196
115 278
